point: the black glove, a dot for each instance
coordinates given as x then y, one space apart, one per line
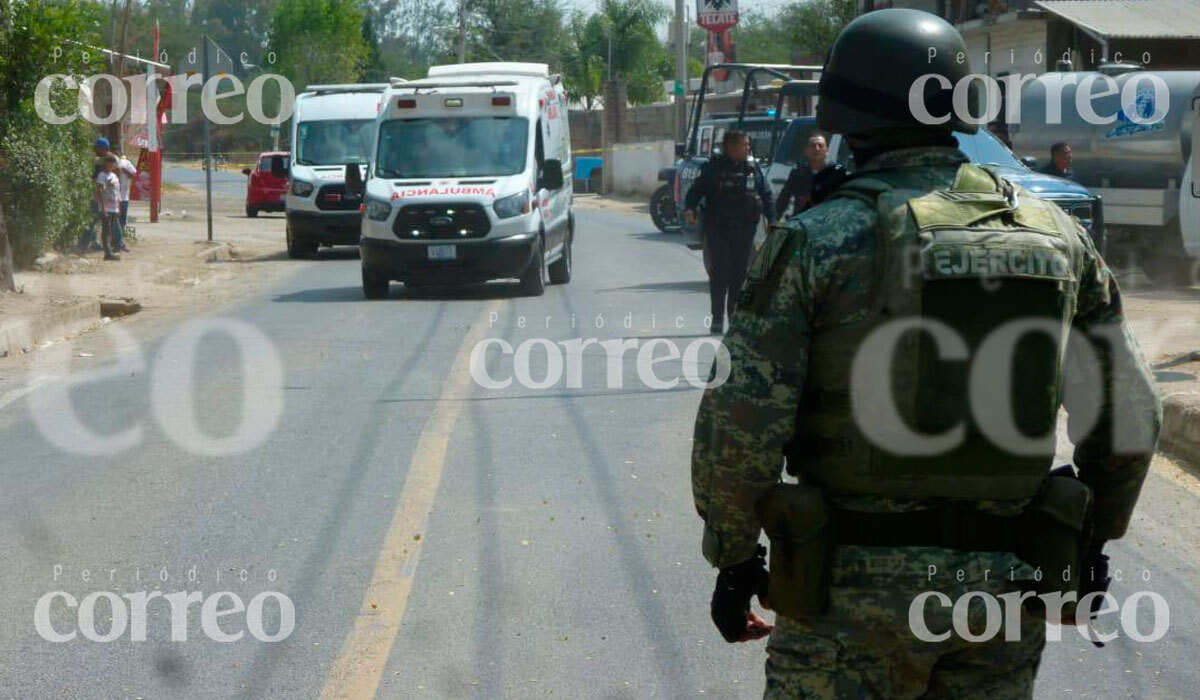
736 585
1096 579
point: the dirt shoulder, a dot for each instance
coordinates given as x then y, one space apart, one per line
171 270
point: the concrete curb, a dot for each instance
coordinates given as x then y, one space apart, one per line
25 335
1181 427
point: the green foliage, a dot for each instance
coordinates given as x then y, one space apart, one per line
412 35
583 70
318 41
637 56
46 187
803 28
45 169
515 30
35 29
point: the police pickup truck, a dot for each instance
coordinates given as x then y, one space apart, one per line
983 148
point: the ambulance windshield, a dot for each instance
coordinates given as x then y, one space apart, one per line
452 147
333 142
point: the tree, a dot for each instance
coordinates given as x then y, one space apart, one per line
412 35
516 30
44 168
583 70
7 283
623 41
318 41
812 25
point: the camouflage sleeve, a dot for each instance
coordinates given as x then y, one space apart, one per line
744 422
1114 412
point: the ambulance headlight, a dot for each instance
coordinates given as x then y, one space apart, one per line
300 188
378 210
513 205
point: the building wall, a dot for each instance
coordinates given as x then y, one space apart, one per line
1016 46
638 124
636 165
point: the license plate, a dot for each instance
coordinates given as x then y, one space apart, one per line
443 252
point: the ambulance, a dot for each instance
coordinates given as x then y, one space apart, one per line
333 127
469 180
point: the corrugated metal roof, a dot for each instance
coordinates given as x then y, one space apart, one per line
1129 19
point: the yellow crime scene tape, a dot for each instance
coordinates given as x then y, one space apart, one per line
618 147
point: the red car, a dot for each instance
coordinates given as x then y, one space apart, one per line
264 191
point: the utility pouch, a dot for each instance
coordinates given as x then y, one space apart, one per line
1054 533
796 519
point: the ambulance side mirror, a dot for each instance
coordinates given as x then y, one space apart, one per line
279 168
354 182
552 175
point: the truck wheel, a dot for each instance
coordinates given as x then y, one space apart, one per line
662 210
1166 261
298 249
251 212
560 270
375 286
533 282
1168 270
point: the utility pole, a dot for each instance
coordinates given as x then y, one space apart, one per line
462 31
681 76
204 72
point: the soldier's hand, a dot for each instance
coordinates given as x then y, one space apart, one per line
756 628
736 586
689 215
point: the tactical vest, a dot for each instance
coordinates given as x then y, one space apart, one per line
735 196
947 386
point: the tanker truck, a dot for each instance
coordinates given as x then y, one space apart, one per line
1142 167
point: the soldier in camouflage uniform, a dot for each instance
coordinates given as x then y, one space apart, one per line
827 272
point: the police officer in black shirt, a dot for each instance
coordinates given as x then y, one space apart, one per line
735 196
798 189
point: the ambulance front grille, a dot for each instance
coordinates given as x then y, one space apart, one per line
441 221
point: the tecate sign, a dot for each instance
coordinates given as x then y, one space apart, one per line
716 15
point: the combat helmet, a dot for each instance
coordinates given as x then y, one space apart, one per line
876 60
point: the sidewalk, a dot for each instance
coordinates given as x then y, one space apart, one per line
170 270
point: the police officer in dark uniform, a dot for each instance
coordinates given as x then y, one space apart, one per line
735 195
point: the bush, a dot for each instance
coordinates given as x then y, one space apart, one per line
45 182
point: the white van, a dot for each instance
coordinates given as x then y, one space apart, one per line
332 126
469 180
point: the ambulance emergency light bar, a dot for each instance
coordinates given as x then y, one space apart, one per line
496 100
433 84
334 89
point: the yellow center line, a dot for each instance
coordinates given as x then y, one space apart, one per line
359 664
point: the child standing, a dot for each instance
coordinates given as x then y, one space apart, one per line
108 201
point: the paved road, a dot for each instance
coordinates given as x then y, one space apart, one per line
225 183
436 538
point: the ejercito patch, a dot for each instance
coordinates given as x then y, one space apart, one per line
951 261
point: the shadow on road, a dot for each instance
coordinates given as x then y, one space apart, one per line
696 286
660 237
491 290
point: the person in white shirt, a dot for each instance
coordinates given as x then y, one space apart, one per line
108 201
126 172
